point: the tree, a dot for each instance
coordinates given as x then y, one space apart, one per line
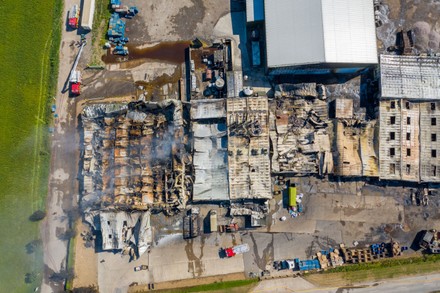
33 245
37 216
29 278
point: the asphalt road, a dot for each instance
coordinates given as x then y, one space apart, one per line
419 284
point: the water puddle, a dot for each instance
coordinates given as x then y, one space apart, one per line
171 52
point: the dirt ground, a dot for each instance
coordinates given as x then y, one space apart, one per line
86 270
170 20
419 16
153 66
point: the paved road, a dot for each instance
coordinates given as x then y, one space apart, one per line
419 284
63 173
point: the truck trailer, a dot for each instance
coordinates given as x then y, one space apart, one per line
292 195
88 12
191 226
213 221
288 264
74 17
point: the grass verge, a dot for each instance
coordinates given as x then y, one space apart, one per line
71 256
102 16
368 272
228 286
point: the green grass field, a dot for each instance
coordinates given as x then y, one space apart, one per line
229 286
369 272
30 33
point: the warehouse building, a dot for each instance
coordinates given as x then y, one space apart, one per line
317 36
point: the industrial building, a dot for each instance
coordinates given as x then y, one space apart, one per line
317 36
300 131
410 77
87 14
209 150
248 148
133 156
409 118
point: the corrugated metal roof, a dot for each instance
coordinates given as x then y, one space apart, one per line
208 109
301 32
210 162
254 10
410 77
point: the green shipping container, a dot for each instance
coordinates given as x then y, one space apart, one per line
292 196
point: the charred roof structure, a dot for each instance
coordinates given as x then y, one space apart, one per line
248 148
128 232
409 117
355 148
312 134
134 156
299 131
410 77
209 150
134 161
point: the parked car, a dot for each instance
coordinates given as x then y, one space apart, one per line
141 268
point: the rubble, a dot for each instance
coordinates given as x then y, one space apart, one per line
129 232
134 156
299 130
248 148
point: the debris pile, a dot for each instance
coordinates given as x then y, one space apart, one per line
134 156
129 232
299 130
431 241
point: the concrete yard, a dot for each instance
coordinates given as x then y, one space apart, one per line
171 259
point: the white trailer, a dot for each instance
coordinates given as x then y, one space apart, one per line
213 221
88 11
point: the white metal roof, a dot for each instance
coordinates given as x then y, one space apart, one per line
208 109
210 162
87 14
254 10
410 77
301 32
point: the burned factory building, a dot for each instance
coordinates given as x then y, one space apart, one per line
134 160
209 150
409 118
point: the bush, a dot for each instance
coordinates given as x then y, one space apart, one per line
30 278
37 216
33 245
